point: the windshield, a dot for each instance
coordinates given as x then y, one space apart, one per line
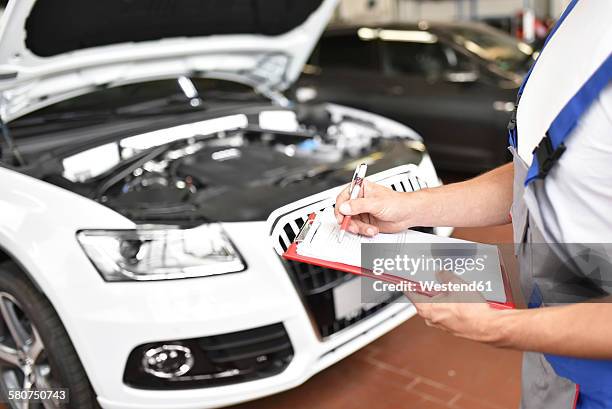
494 46
160 97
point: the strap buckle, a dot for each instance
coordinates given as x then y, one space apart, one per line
512 122
547 155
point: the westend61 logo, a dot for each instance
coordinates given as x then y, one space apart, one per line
411 265
415 267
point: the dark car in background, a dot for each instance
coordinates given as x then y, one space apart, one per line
455 83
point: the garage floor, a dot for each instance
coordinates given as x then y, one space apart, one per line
414 367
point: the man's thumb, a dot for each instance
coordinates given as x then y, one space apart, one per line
358 206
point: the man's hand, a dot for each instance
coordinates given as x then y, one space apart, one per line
466 315
379 209
482 201
538 329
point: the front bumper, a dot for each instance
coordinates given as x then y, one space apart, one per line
311 356
106 321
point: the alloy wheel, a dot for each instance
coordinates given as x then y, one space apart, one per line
23 362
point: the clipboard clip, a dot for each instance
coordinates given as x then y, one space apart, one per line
307 228
304 231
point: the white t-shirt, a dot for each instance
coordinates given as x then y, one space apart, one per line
578 189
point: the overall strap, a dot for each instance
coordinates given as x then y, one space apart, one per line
512 136
551 147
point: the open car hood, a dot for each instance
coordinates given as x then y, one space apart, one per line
52 50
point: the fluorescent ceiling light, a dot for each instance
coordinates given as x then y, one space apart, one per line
413 36
525 48
476 49
366 33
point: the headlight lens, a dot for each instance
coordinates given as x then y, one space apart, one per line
147 254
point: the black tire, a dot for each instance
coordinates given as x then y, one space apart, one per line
59 354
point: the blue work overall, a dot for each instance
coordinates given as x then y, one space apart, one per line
550 381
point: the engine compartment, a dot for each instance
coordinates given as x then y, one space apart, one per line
244 169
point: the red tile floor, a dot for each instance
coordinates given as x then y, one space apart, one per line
414 367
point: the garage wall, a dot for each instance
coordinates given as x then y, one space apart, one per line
557 6
452 10
368 10
441 10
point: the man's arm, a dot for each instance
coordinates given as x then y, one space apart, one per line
481 201
581 330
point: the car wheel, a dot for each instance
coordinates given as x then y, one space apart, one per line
35 350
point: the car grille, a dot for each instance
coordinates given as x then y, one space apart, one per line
316 285
219 359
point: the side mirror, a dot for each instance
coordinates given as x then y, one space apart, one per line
465 76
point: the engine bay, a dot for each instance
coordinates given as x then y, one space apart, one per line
235 168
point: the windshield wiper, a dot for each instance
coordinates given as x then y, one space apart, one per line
162 106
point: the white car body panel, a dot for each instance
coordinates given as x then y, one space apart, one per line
38 222
29 82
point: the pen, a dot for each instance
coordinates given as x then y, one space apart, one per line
354 190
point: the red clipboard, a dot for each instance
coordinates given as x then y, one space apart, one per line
291 254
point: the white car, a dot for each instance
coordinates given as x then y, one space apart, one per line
144 144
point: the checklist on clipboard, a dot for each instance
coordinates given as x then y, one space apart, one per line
317 244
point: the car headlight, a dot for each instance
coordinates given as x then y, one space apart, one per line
146 254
